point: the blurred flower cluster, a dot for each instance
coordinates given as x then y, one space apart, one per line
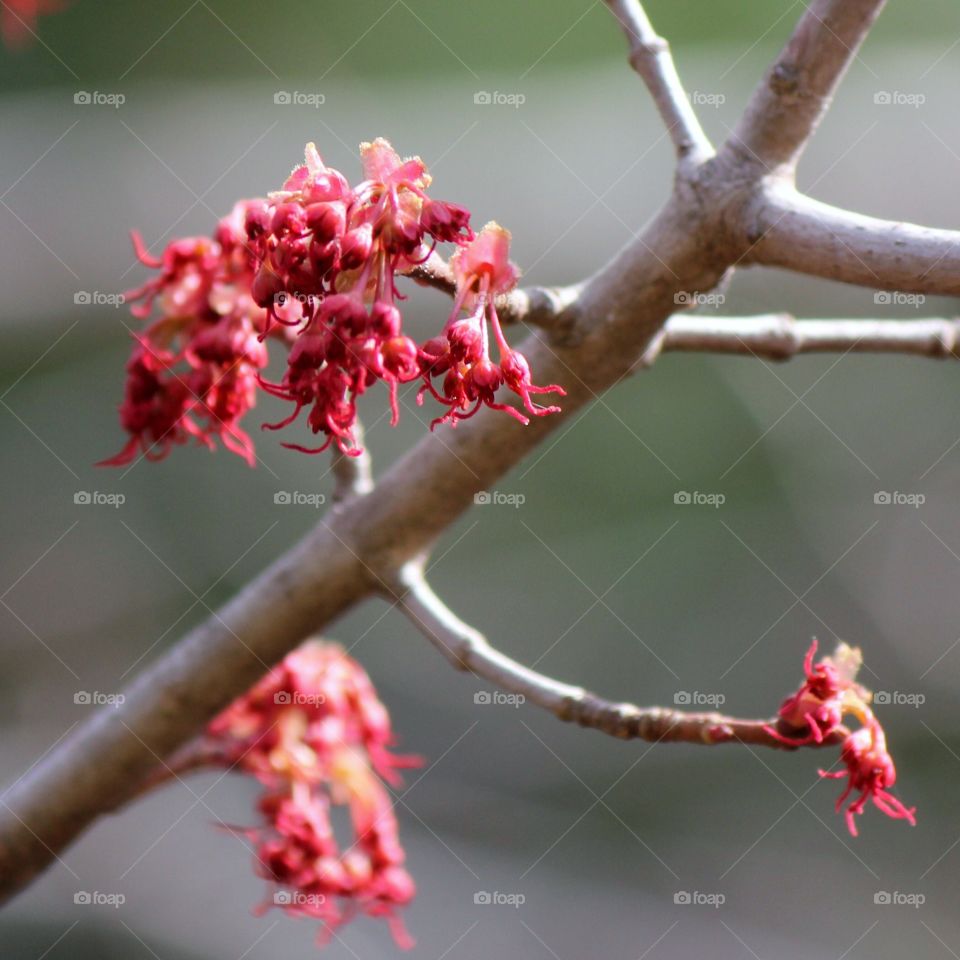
815 714
315 734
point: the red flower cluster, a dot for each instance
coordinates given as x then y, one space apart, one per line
314 733
461 354
315 265
193 372
815 714
326 250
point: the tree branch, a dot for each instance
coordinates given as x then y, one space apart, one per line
467 649
650 57
797 89
778 336
353 476
789 230
533 306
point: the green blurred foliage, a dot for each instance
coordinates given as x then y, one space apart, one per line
111 39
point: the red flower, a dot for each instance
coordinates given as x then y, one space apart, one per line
193 371
329 250
826 697
870 770
315 734
315 265
461 355
818 706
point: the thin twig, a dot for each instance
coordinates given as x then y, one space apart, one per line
778 336
467 649
650 57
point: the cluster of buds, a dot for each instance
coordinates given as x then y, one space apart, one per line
193 371
461 354
315 265
329 257
315 734
815 714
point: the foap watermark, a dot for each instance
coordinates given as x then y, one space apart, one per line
495 898
297 898
96 298
697 898
899 98
297 699
896 498
97 98
286 298
294 498
96 498
694 298
499 98
896 898
697 698
896 298
497 498
94 698
898 698
299 98
498 699
697 498
96 898
701 98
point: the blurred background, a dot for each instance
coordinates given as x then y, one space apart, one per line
599 578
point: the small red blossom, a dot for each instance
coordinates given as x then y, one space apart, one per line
193 371
815 714
461 355
818 706
870 770
315 734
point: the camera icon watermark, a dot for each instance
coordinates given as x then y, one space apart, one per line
895 298
696 698
86 298
694 298
885 498
96 98
94 698
86 498
497 698
295 698
899 98
294 498
886 898
97 899
697 498
898 698
297 898
695 898
486 898
701 99
498 498
497 98
299 98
